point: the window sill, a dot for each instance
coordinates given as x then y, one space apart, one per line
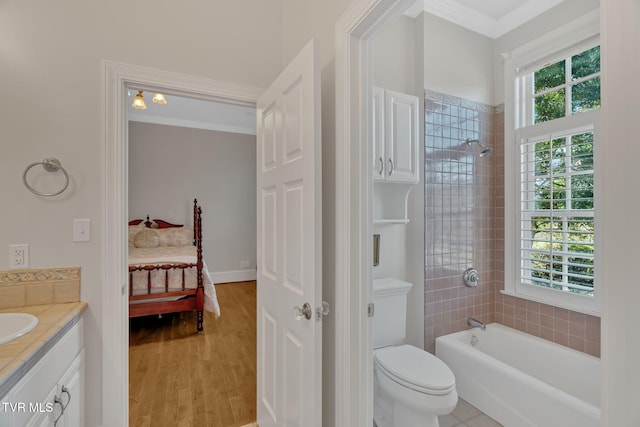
551 302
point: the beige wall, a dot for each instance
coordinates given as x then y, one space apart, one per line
394 56
169 166
458 61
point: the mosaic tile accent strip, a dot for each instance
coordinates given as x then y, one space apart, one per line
40 275
19 288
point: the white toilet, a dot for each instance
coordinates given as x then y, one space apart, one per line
411 386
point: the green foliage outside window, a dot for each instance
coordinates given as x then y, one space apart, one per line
551 87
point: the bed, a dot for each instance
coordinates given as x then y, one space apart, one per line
167 273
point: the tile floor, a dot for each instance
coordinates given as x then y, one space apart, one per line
466 415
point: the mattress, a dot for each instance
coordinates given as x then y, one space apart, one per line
171 255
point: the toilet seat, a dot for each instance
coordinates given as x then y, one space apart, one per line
415 369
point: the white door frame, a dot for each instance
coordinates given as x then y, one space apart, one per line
354 191
115 330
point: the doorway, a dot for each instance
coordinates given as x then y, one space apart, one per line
119 77
179 151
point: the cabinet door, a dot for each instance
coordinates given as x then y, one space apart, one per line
44 413
71 392
6 415
377 134
402 137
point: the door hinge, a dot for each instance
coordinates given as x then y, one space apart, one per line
371 309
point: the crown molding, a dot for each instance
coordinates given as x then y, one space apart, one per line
473 20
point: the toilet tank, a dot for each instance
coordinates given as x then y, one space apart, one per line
390 315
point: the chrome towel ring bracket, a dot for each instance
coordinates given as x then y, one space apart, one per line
50 165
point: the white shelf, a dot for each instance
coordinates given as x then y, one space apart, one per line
390 203
391 221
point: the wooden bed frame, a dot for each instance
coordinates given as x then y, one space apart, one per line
192 299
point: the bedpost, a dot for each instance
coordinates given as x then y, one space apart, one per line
195 221
198 240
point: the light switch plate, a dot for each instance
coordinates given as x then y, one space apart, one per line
82 230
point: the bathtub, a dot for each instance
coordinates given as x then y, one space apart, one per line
520 380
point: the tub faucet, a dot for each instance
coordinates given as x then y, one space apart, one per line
476 323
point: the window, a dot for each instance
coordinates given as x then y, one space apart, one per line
556 214
565 87
551 185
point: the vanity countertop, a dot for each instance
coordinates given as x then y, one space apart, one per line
19 355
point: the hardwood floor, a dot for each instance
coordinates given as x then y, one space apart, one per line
180 378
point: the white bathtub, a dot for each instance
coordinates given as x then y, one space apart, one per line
520 380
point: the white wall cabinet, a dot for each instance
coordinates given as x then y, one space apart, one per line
51 393
395 136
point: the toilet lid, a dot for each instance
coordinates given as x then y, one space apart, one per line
416 369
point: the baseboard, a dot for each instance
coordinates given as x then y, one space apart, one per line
233 276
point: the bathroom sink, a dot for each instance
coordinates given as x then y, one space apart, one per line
14 325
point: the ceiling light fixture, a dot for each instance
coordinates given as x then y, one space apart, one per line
139 104
159 98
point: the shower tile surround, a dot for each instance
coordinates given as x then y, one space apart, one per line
464 227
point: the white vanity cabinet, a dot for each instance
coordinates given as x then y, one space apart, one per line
395 136
51 393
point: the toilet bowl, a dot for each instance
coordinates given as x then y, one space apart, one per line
411 386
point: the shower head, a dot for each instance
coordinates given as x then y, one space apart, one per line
484 150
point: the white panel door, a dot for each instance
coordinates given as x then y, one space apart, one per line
289 247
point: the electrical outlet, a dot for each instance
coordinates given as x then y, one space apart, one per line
19 256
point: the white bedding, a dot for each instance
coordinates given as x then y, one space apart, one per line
172 255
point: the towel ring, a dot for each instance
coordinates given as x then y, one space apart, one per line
50 165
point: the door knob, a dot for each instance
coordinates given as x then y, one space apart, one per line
302 313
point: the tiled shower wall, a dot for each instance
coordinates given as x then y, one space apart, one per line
464 227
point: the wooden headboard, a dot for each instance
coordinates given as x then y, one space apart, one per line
155 223
160 223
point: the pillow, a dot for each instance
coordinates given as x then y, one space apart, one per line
133 230
180 236
146 238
